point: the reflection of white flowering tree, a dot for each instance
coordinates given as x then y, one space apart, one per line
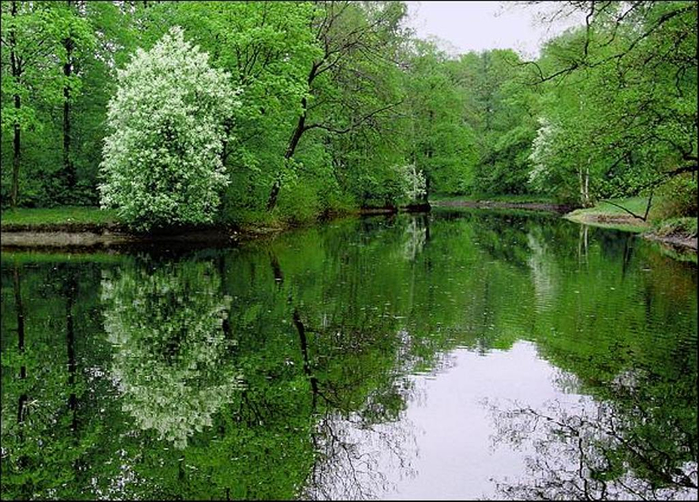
415 237
167 326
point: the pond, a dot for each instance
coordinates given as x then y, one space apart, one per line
461 354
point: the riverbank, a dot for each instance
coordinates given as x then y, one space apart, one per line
528 202
67 227
94 228
676 232
90 227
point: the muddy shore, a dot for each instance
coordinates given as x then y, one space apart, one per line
486 204
90 235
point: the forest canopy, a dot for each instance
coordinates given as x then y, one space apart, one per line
331 106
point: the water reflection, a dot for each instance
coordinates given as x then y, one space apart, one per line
166 322
609 450
354 457
349 361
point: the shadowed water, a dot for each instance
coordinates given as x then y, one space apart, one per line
461 354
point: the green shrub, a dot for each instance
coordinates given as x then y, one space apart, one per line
678 197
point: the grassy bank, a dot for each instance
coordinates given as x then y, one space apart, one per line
608 214
679 231
90 227
64 215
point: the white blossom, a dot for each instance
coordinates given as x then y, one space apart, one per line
162 162
413 182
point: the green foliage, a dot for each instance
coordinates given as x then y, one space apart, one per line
335 95
619 111
678 226
678 197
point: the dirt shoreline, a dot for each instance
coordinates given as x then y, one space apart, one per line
603 220
674 240
114 236
488 204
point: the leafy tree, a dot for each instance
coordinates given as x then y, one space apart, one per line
28 37
499 109
442 143
162 162
349 84
622 93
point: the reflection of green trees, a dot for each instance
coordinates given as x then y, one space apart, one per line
208 354
47 430
166 322
626 448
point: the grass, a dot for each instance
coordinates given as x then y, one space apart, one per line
634 204
610 216
57 216
677 226
607 215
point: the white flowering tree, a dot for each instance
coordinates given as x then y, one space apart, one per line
162 161
542 155
413 182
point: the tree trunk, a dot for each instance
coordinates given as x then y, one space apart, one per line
293 142
68 167
648 206
16 74
16 156
584 181
290 149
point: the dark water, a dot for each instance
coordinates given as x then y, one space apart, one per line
457 355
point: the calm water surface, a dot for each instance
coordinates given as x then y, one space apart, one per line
457 355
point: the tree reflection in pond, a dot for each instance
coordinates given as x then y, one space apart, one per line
166 323
316 363
607 450
353 457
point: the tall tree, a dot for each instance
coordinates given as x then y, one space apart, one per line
26 33
351 35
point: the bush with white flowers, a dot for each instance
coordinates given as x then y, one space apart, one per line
162 161
413 182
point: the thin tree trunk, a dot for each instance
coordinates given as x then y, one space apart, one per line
16 74
650 202
293 142
290 149
584 181
68 167
16 157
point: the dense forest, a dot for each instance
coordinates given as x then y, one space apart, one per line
298 109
